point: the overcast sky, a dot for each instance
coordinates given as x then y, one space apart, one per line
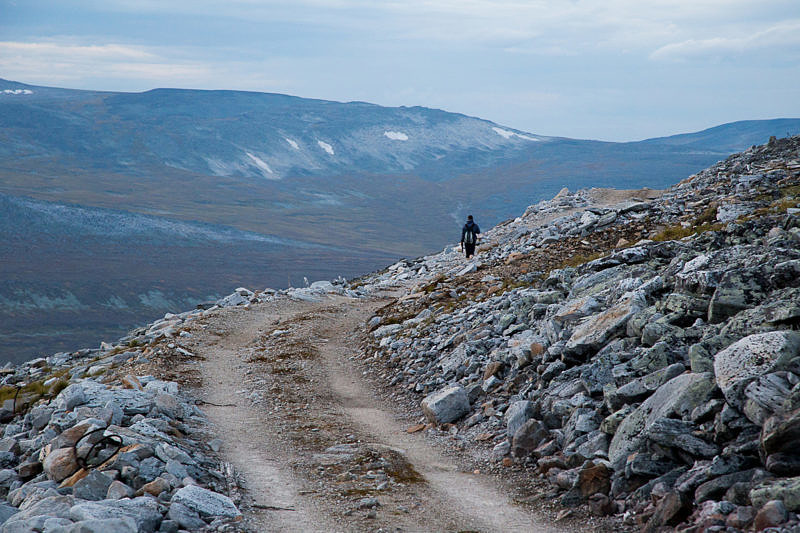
609 69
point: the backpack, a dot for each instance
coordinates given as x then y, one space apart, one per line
469 237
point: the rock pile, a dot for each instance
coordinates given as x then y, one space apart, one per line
88 447
642 356
659 379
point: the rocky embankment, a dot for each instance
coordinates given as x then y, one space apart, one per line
93 442
643 357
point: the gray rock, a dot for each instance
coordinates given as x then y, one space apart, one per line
118 490
639 388
680 396
93 487
679 434
50 506
528 437
765 396
143 510
169 405
517 414
185 517
745 360
446 405
599 329
6 512
121 524
583 420
72 396
206 502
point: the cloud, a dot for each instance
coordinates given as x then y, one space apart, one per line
63 61
784 35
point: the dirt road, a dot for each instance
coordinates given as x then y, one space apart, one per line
318 450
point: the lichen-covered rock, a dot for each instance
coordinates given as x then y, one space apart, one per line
787 490
753 356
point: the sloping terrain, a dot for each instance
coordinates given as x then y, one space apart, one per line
368 183
610 361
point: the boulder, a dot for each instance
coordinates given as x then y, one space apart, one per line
596 331
678 434
206 502
787 490
772 514
739 364
528 437
185 517
60 464
122 524
680 396
92 487
144 511
517 414
446 405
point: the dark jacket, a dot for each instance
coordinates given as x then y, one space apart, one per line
470 226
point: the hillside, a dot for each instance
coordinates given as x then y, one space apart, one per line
610 361
369 184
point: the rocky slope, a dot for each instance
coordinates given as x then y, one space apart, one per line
643 357
639 351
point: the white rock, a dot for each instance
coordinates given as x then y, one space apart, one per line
206 502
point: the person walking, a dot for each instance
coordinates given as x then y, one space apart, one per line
469 237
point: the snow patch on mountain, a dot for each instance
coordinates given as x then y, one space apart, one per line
325 146
262 165
17 91
506 134
396 135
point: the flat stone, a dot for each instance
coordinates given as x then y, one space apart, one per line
144 511
678 434
446 405
206 502
122 524
639 388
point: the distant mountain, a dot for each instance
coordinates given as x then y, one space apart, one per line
183 184
732 137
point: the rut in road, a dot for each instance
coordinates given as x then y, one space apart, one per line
316 446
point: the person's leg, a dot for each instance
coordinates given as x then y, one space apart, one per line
470 250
